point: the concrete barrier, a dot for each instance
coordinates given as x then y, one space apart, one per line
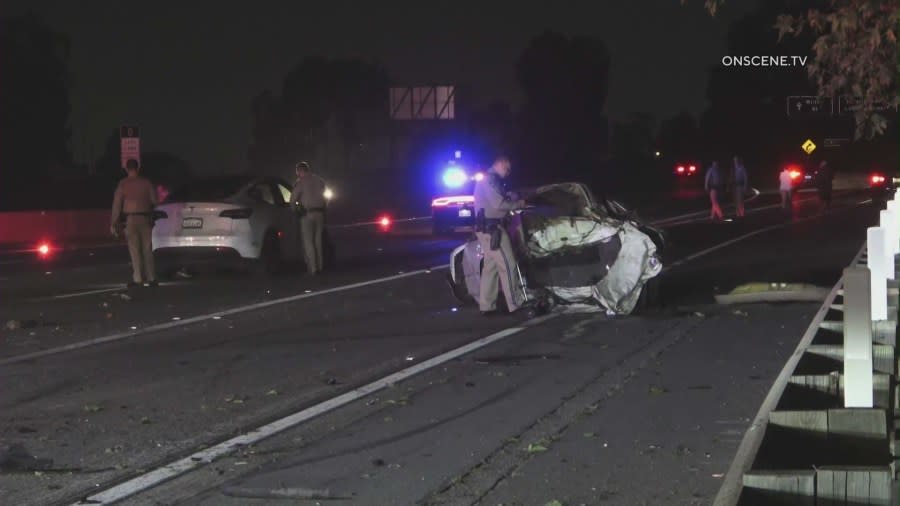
27 227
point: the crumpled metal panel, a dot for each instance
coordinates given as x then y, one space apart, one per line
620 289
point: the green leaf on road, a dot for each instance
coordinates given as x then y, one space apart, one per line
536 448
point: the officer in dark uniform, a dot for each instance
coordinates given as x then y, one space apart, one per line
492 206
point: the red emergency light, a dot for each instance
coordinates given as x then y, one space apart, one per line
384 223
44 249
795 174
877 179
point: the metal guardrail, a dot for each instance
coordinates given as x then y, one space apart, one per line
867 388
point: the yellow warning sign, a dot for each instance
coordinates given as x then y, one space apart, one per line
808 146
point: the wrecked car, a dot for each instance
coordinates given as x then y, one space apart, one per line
573 249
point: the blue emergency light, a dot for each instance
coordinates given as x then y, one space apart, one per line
455 177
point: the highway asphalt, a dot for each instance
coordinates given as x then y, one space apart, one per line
580 408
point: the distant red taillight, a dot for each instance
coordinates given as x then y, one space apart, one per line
877 179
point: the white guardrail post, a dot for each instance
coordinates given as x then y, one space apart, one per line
858 370
892 239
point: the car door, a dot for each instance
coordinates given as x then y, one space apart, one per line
288 220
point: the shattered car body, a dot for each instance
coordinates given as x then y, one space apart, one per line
573 248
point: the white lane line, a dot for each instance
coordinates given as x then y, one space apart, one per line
107 288
196 319
203 457
749 235
733 483
82 294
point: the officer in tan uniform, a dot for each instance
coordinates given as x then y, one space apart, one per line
492 206
135 199
308 199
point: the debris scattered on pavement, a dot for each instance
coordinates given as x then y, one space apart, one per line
682 450
272 392
698 314
738 312
123 296
718 475
410 358
388 419
655 390
377 462
554 503
331 381
145 421
590 435
470 384
536 447
93 408
13 325
114 449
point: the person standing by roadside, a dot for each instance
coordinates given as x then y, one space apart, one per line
308 199
824 183
786 187
134 200
741 184
714 184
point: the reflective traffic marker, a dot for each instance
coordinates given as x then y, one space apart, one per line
877 262
858 388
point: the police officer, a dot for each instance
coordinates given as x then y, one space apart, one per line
308 199
492 205
135 199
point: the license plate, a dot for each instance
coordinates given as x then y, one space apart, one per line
192 223
465 213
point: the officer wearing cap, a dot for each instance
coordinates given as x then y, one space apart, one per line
308 199
492 206
134 200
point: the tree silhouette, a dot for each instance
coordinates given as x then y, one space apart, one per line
317 94
855 52
34 102
563 120
747 112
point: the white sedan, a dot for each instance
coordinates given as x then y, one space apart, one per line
240 220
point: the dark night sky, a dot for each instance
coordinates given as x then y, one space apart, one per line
187 71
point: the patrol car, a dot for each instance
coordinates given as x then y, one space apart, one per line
455 208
